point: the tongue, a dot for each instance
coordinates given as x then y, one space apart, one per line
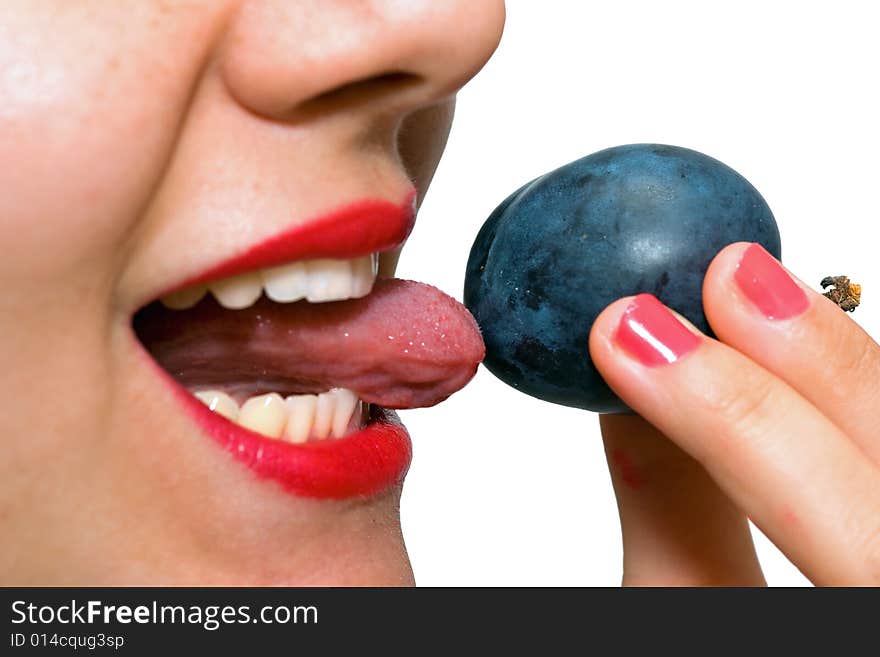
404 345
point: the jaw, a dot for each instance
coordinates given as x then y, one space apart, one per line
200 517
113 486
162 506
326 546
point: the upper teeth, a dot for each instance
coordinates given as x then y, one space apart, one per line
313 280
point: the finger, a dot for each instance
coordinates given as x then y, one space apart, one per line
678 528
757 307
790 469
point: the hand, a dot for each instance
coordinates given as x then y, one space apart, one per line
781 412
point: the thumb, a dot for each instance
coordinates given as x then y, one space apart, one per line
679 528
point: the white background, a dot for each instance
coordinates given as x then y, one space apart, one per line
508 490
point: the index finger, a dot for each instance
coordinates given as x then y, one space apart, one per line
791 469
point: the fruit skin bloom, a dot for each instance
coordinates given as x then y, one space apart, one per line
141 145
626 220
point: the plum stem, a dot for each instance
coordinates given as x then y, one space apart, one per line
846 294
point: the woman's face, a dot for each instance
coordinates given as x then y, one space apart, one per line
154 146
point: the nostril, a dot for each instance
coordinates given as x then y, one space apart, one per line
283 60
374 90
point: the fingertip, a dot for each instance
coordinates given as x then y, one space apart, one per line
744 280
602 331
722 268
643 329
633 340
603 347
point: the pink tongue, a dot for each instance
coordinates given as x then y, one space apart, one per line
405 345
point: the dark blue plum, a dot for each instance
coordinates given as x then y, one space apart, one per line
555 253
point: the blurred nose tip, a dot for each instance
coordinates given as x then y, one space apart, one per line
285 60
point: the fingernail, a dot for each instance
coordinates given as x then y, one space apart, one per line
767 285
652 334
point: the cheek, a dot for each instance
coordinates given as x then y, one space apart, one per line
421 140
91 106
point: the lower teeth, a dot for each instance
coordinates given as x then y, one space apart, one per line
296 419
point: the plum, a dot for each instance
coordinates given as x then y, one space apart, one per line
625 220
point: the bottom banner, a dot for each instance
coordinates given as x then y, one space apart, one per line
548 621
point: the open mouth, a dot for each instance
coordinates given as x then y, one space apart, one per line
291 358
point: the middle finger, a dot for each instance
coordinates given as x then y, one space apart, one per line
758 308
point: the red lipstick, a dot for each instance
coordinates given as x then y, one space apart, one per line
359 228
361 464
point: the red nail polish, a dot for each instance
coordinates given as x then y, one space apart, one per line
652 334
767 285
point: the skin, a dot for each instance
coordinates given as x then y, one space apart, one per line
139 129
752 421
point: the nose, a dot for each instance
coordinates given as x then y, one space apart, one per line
282 58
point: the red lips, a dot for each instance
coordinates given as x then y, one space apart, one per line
370 460
359 228
362 464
